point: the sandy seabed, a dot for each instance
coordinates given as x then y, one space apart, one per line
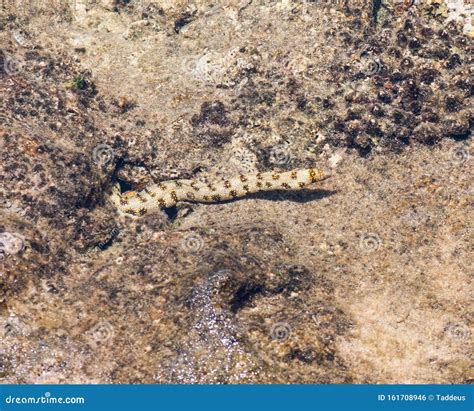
366 278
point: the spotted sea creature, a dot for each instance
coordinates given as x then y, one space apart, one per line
168 193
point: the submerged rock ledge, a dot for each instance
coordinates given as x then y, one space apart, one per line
364 280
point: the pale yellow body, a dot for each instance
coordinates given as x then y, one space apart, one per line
167 194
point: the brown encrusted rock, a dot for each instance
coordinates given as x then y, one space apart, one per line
361 279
